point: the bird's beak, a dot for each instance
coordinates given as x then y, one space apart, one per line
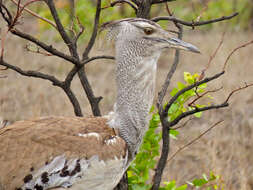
179 44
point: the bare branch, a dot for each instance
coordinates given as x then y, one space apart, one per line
238 89
194 140
184 124
97 57
193 24
161 1
94 101
34 74
202 75
8 17
234 50
81 27
36 15
94 33
74 70
48 48
121 2
166 83
61 30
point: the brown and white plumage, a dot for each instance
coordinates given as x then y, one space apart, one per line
85 153
33 152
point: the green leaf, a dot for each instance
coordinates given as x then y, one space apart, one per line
173 92
198 114
173 133
199 182
183 187
156 117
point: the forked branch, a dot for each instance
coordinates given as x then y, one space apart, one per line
193 24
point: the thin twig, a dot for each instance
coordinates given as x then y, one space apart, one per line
194 140
201 96
34 74
112 4
202 75
36 15
238 89
81 27
161 1
193 24
234 50
48 48
94 32
166 83
61 30
184 124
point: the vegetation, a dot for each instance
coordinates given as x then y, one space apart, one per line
168 114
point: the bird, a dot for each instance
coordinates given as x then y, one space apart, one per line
83 153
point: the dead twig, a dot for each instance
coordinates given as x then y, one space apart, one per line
112 4
36 15
191 104
238 89
234 50
193 24
184 124
193 141
202 75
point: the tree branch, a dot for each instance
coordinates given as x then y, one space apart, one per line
194 140
193 24
48 48
61 30
36 15
34 74
174 98
161 1
166 83
123 1
94 33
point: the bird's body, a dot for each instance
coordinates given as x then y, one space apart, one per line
85 153
44 153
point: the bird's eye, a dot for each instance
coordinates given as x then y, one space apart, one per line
148 31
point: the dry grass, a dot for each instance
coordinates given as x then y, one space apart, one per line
227 150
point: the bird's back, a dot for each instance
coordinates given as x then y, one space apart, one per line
59 152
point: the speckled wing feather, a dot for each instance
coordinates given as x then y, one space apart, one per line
59 152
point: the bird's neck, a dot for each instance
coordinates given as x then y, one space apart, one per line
135 78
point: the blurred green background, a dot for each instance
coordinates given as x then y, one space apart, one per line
184 9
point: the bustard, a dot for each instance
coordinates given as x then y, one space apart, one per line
85 153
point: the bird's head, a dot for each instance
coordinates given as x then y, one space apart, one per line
146 32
